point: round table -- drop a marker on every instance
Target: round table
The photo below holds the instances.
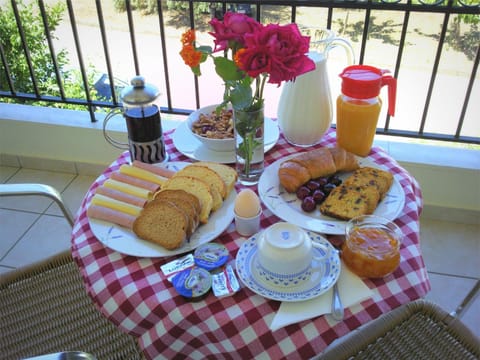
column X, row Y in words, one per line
column 135, row 295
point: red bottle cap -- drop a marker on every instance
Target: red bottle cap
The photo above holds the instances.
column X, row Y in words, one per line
column 365, row 82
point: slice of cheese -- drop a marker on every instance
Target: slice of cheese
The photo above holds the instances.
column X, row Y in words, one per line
column 129, row 189
column 113, row 204
column 142, row 174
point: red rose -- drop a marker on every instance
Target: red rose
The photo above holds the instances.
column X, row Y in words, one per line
column 233, row 28
column 276, row 50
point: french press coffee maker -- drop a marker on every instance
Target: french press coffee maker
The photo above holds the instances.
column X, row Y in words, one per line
column 142, row 116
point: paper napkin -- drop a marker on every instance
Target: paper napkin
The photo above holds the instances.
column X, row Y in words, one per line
column 352, row 291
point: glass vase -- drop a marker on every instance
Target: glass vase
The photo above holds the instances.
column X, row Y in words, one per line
column 249, row 142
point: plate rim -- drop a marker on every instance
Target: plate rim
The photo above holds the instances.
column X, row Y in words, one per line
column 105, row 231
column 223, row 157
column 290, row 296
column 331, row 225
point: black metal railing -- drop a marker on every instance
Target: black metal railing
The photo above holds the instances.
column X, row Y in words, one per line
column 450, row 16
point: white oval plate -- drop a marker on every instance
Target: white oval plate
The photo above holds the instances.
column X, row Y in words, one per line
column 322, row 279
column 191, row 147
column 288, row 207
column 126, row 242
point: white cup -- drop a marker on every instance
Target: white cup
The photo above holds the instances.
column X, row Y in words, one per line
column 285, row 255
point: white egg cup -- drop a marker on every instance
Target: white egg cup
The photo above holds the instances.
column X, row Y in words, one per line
column 285, row 255
column 247, row 226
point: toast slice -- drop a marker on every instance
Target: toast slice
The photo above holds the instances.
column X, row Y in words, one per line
column 217, row 186
column 196, row 187
column 227, row 173
column 162, row 223
column 186, row 202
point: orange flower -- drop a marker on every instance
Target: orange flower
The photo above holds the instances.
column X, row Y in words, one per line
column 237, row 58
column 188, row 37
column 190, row 56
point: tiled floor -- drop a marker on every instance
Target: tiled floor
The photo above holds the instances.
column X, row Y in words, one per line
column 32, row 228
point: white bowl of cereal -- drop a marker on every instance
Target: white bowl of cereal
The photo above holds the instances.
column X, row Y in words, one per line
column 214, row 131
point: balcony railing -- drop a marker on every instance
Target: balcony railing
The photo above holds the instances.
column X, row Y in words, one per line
column 432, row 47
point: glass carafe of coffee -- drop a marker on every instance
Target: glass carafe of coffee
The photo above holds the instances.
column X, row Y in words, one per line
column 142, row 116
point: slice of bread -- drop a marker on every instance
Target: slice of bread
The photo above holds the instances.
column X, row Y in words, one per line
column 217, row 186
column 162, row 223
column 195, row 187
column 227, row 173
column 186, row 202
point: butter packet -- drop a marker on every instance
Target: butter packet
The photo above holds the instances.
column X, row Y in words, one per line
column 176, row 266
column 225, row 283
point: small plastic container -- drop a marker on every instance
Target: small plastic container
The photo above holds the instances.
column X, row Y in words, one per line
column 193, row 283
column 372, row 246
column 210, row 256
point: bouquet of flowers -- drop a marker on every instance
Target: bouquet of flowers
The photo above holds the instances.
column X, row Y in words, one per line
column 252, row 54
column 257, row 53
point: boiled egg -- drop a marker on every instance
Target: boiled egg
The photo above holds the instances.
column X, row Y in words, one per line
column 247, row 204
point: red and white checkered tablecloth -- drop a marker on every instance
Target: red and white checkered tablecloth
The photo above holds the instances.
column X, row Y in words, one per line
column 133, row 293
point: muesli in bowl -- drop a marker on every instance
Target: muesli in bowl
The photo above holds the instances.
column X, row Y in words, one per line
column 214, row 130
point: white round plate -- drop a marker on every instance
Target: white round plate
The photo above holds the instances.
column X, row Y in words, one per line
column 288, row 207
column 126, row 242
column 191, row 147
column 321, row 280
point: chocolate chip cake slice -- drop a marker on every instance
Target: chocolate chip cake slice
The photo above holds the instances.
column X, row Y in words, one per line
column 368, row 176
column 346, row 202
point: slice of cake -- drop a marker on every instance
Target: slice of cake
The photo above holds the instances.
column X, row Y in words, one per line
column 381, row 179
column 346, row 202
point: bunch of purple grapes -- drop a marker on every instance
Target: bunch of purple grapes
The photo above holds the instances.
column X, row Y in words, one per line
column 315, row 191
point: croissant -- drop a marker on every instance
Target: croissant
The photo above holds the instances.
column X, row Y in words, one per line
column 299, row 169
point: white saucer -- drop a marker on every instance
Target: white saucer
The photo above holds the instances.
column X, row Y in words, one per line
column 189, row 146
column 321, row 280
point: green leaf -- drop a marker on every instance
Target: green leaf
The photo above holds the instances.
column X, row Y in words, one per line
column 241, row 93
column 227, row 69
column 205, row 49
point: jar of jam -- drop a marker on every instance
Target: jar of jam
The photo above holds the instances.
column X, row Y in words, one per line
column 372, row 246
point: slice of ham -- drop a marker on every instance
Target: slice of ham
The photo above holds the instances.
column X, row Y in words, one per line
column 110, row 215
column 121, row 196
column 154, row 169
column 135, row 181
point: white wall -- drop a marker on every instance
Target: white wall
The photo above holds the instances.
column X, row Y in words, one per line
column 449, row 177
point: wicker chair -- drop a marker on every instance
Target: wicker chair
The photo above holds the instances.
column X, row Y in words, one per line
column 418, row 330
column 44, row 308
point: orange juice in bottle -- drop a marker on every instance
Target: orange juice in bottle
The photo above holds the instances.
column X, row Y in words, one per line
column 359, row 105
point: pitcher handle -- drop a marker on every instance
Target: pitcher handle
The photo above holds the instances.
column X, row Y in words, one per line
column 112, row 113
column 345, row 44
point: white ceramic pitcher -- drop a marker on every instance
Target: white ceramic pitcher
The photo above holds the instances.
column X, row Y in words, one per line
column 305, row 108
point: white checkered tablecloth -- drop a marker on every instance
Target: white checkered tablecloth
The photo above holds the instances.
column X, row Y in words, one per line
column 133, row 293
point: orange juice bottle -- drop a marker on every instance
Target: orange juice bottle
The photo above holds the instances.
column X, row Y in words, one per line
column 358, row 107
